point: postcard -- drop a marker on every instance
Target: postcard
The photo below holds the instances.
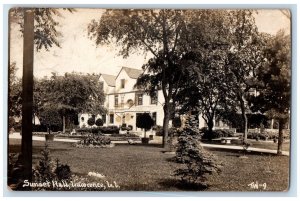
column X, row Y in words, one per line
column 149, row 99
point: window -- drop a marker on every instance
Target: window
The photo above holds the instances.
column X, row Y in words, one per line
column 116, row 100
column 104, row 118
column 154, row 114
column 153, row 99
column 122, row 100
column 111, row 118
column 122, row 83
column 139, row 99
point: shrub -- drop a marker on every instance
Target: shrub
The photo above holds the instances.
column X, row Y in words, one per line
column 216, row 134
column 15, row 171
column 257, row 136
column 91, row 121
column 99, row 122
column 144, row 121
column 198, row 163
column 44, row 128
column 126, row 128
column 98, row 141
column 158, row 130
column 99, row 130
column 176, row 122
column 63, row 172
column 46, row 170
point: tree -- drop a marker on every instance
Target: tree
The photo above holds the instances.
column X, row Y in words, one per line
column 154, row 31
column 14, row 94
column 49, row 116
column 69, row 95
column 145, row 122
column 206, row 63
column 244, row 58
column 45, row 25
column 275, row 84
column 44, row 34
column 198, row 163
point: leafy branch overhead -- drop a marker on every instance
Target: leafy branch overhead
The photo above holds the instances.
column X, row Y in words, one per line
column 46, row 34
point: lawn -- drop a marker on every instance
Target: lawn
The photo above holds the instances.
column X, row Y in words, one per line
column 146, row 168
column 270, row 145
column 260, row 144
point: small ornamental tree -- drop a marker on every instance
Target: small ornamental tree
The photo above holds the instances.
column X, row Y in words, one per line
column 91, row 121
column 198, row 162
column 99, row 122
column 145, row 122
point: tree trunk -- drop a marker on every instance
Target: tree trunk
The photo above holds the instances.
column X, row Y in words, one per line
column 145, row 133
column 210, row 125
column 166, row 124
column 64, row 123
column 280, row 137
column 245, row 119
column 27, row 93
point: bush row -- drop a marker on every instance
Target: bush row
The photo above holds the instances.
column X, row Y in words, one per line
column 99, row 130
column 216, row 133
column 266, row 136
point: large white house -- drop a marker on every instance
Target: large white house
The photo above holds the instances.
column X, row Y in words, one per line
column 124, row 102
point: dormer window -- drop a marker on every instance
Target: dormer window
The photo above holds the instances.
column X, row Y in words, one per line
column 122, row 83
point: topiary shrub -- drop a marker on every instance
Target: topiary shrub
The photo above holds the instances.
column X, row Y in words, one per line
column 145, row 122
column 99, row 122
column 91, row 121
column 198, row 163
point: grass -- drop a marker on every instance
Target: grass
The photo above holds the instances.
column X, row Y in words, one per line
column 260, row 144
column 146, row 168
column 270, row 145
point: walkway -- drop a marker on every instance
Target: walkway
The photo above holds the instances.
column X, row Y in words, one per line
column 38, row 138
column 219, row 146
column 236, row 147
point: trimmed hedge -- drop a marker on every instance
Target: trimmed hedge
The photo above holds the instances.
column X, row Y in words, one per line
column 99, row 130
column 44, row 128
column 216, row 134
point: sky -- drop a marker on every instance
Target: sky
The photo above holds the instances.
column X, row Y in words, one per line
column 78, row 53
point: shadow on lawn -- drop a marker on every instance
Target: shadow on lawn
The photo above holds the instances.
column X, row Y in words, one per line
column 176, row 183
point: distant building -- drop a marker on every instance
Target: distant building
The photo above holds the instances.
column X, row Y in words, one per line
column 124, row 102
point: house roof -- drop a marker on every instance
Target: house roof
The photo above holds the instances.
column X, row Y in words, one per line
column 109, row 79
column 132, row 72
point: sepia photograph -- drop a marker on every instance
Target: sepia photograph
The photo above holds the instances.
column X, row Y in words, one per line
column 149, row 99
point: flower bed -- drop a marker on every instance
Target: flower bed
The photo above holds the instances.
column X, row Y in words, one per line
column 95, row 142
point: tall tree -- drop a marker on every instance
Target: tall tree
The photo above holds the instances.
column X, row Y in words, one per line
column 39, row 29
column 244, row 58
column 275, row 82
column 205, row 65
column 27, row 93
column 155, row 31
